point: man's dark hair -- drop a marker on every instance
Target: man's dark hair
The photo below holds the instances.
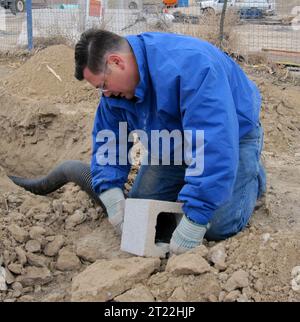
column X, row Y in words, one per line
column 90, row 50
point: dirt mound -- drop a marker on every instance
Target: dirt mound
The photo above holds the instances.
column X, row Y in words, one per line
column 257, row 268
column 36, row 135
column 50, row 74
column 280, row 115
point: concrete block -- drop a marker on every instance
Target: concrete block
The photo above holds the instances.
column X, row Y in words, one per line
column 139, row 229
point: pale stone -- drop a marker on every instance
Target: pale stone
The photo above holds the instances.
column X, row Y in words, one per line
column 18, row 233
column 21, row 255
column 33, row 246
column 3, row 286
column 104, row 280
column 78, row 218
column 67, row 260
column 138, row 294
column 217, row 255
column 37, row 232
column 187, row 264
column 35, row 276
column 232, row 296
column 238, row 279
column 53, row 247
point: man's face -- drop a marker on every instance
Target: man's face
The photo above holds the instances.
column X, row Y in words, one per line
column 119, row 78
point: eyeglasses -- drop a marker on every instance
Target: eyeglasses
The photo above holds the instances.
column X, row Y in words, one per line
column 102, row 89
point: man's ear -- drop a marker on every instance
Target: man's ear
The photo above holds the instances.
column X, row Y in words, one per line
column 116, row 61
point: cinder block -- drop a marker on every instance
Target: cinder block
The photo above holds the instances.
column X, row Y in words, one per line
column 139, row 228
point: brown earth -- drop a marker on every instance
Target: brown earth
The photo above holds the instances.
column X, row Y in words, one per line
column 50, row 246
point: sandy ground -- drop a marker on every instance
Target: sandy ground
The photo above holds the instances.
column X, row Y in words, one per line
column 61, row 248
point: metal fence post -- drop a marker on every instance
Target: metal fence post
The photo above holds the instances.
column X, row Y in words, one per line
column 222, row 22
column 29, row 24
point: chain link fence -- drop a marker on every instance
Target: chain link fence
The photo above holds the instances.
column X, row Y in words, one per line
column 251, row 27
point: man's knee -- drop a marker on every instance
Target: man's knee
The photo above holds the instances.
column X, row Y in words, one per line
column 230, row 225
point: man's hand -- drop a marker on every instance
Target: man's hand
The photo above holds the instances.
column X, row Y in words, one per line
column 186, row 236
column 114, row 202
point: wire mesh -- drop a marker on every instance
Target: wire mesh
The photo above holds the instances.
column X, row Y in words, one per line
column 263, row 27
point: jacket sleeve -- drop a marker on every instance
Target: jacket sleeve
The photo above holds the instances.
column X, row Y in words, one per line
column 106, row 168
column 207, row 105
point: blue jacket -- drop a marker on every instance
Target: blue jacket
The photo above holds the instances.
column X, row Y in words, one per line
column 185, row 83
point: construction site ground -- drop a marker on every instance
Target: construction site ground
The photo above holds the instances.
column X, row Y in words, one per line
column 61, row 247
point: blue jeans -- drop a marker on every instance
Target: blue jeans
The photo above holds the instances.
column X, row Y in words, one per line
column 165, row 183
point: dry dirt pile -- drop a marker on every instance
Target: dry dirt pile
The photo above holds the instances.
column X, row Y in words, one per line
column 49, row 74
column 61, row 248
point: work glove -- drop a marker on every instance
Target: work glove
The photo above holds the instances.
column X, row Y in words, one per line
column 114, row 202
column 186, row 236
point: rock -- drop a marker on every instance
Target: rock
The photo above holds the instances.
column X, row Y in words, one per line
column 28, row 289
column 67, row 260
column 37, row 232
column 18, row 233
column 16, row 216
column 232, row 296
column 199, row 250
column 217, row 255
column 78, row 218
column 212, row 298
column 89, row 247
column 54, row 297
column 53, row 247
column 26, row 298
column 178, row 295
column 35, row 276
column 238, row 279
column 243, row 298
column 138, row 294
column 3, row 286
column 17, row 286
column 16, row 268
column 106, row 279
column 222, row 295
column 100, row 244
column 187, row 264
column 16, row 293
column 295, row 271
column 21, row 255
column 37, row 260
column 33, row 246
column 6, row 257
column 296, row 279
column 9, row 277
column 259, row 285
column 202, row 250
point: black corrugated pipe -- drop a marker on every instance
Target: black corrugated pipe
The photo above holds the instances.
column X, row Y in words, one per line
column 69, row 171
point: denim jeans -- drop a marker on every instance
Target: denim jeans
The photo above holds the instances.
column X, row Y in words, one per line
column 165, row 183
